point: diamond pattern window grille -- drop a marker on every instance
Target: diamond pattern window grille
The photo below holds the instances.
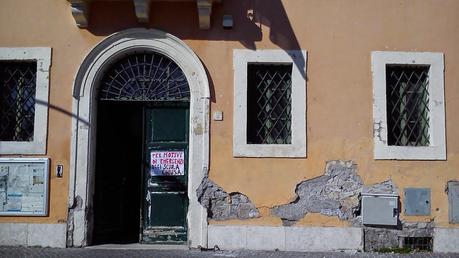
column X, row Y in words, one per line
column 17, row 100
column 145, row 77
column 269, row 104
column 407, row 105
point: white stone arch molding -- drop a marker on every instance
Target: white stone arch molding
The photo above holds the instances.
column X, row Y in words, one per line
column 82, row 169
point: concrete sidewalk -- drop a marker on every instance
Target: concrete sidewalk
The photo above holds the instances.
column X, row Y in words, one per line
column 113, row 251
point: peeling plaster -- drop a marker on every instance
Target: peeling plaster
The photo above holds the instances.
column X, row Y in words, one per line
column 221, row 205
column 385, row 187
column 336, row 193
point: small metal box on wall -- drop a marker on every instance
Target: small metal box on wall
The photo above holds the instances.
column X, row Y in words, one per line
column 417, row 202
column 380, row 209
column 453, row 201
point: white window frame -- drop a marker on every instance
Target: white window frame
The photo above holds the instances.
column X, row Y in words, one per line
column 241, row 59
column 437, row 146
column 42, row 55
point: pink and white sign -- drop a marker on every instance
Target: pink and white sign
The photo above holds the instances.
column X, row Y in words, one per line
column 167, row 163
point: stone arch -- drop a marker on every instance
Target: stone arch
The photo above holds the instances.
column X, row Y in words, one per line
column 81, row 183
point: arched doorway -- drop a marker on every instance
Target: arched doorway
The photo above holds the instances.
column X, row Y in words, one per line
column 141, row 151
column 92, row 97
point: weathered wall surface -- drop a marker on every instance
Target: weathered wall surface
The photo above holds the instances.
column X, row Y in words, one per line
column 221, row 205
column 48, row 24
column 338, row 36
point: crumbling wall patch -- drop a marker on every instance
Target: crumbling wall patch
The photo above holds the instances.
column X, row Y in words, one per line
column 385, row 187
column 221, row 205
column 336, row 193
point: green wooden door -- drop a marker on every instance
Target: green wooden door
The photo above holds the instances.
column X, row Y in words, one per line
column 165, row 200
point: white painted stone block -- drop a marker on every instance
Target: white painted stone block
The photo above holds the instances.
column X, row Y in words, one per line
column 323, row 239
column 22, row 234
column 265, row 238
column 286, row 238
column 13, row 234
column 446, row 240
column 47, row 235
column 227, row 237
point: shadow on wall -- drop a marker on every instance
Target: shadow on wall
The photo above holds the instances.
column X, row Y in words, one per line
column 61, row 110
column 250, row 17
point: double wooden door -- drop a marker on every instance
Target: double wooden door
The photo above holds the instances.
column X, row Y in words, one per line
column 141, row 173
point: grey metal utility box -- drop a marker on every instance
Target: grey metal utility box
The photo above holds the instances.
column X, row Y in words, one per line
column 380, row 209
column 453, row 201
column 417, row 202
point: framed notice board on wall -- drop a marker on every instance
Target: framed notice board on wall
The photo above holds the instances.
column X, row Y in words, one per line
column 24, row 184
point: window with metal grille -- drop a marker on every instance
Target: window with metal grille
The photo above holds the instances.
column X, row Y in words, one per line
column 408, row 105
column 418, row 243
column 269, row 88
column 269, row 103
column 407, row 99
column 17, row 100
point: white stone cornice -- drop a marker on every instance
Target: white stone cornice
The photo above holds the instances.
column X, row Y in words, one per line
column 142, row 10
column 204, row 12
column 80, row 12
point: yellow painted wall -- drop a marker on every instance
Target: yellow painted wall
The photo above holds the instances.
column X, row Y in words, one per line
column 338, row 35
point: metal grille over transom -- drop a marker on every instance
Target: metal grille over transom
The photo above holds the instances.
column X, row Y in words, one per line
column 269, row 88
column 17, row 100
column 407, row 105
column 145, row 77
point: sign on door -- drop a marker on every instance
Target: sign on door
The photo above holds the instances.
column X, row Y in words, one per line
column 167, row 163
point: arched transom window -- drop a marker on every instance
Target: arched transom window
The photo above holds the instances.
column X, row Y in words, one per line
column 144, row 76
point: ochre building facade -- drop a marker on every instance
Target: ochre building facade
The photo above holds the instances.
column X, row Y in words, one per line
column 286, row 167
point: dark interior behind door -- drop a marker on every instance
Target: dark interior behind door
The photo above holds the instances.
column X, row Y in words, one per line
column 118, row 173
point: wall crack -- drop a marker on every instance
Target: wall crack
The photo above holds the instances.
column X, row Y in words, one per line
column 77, row 206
